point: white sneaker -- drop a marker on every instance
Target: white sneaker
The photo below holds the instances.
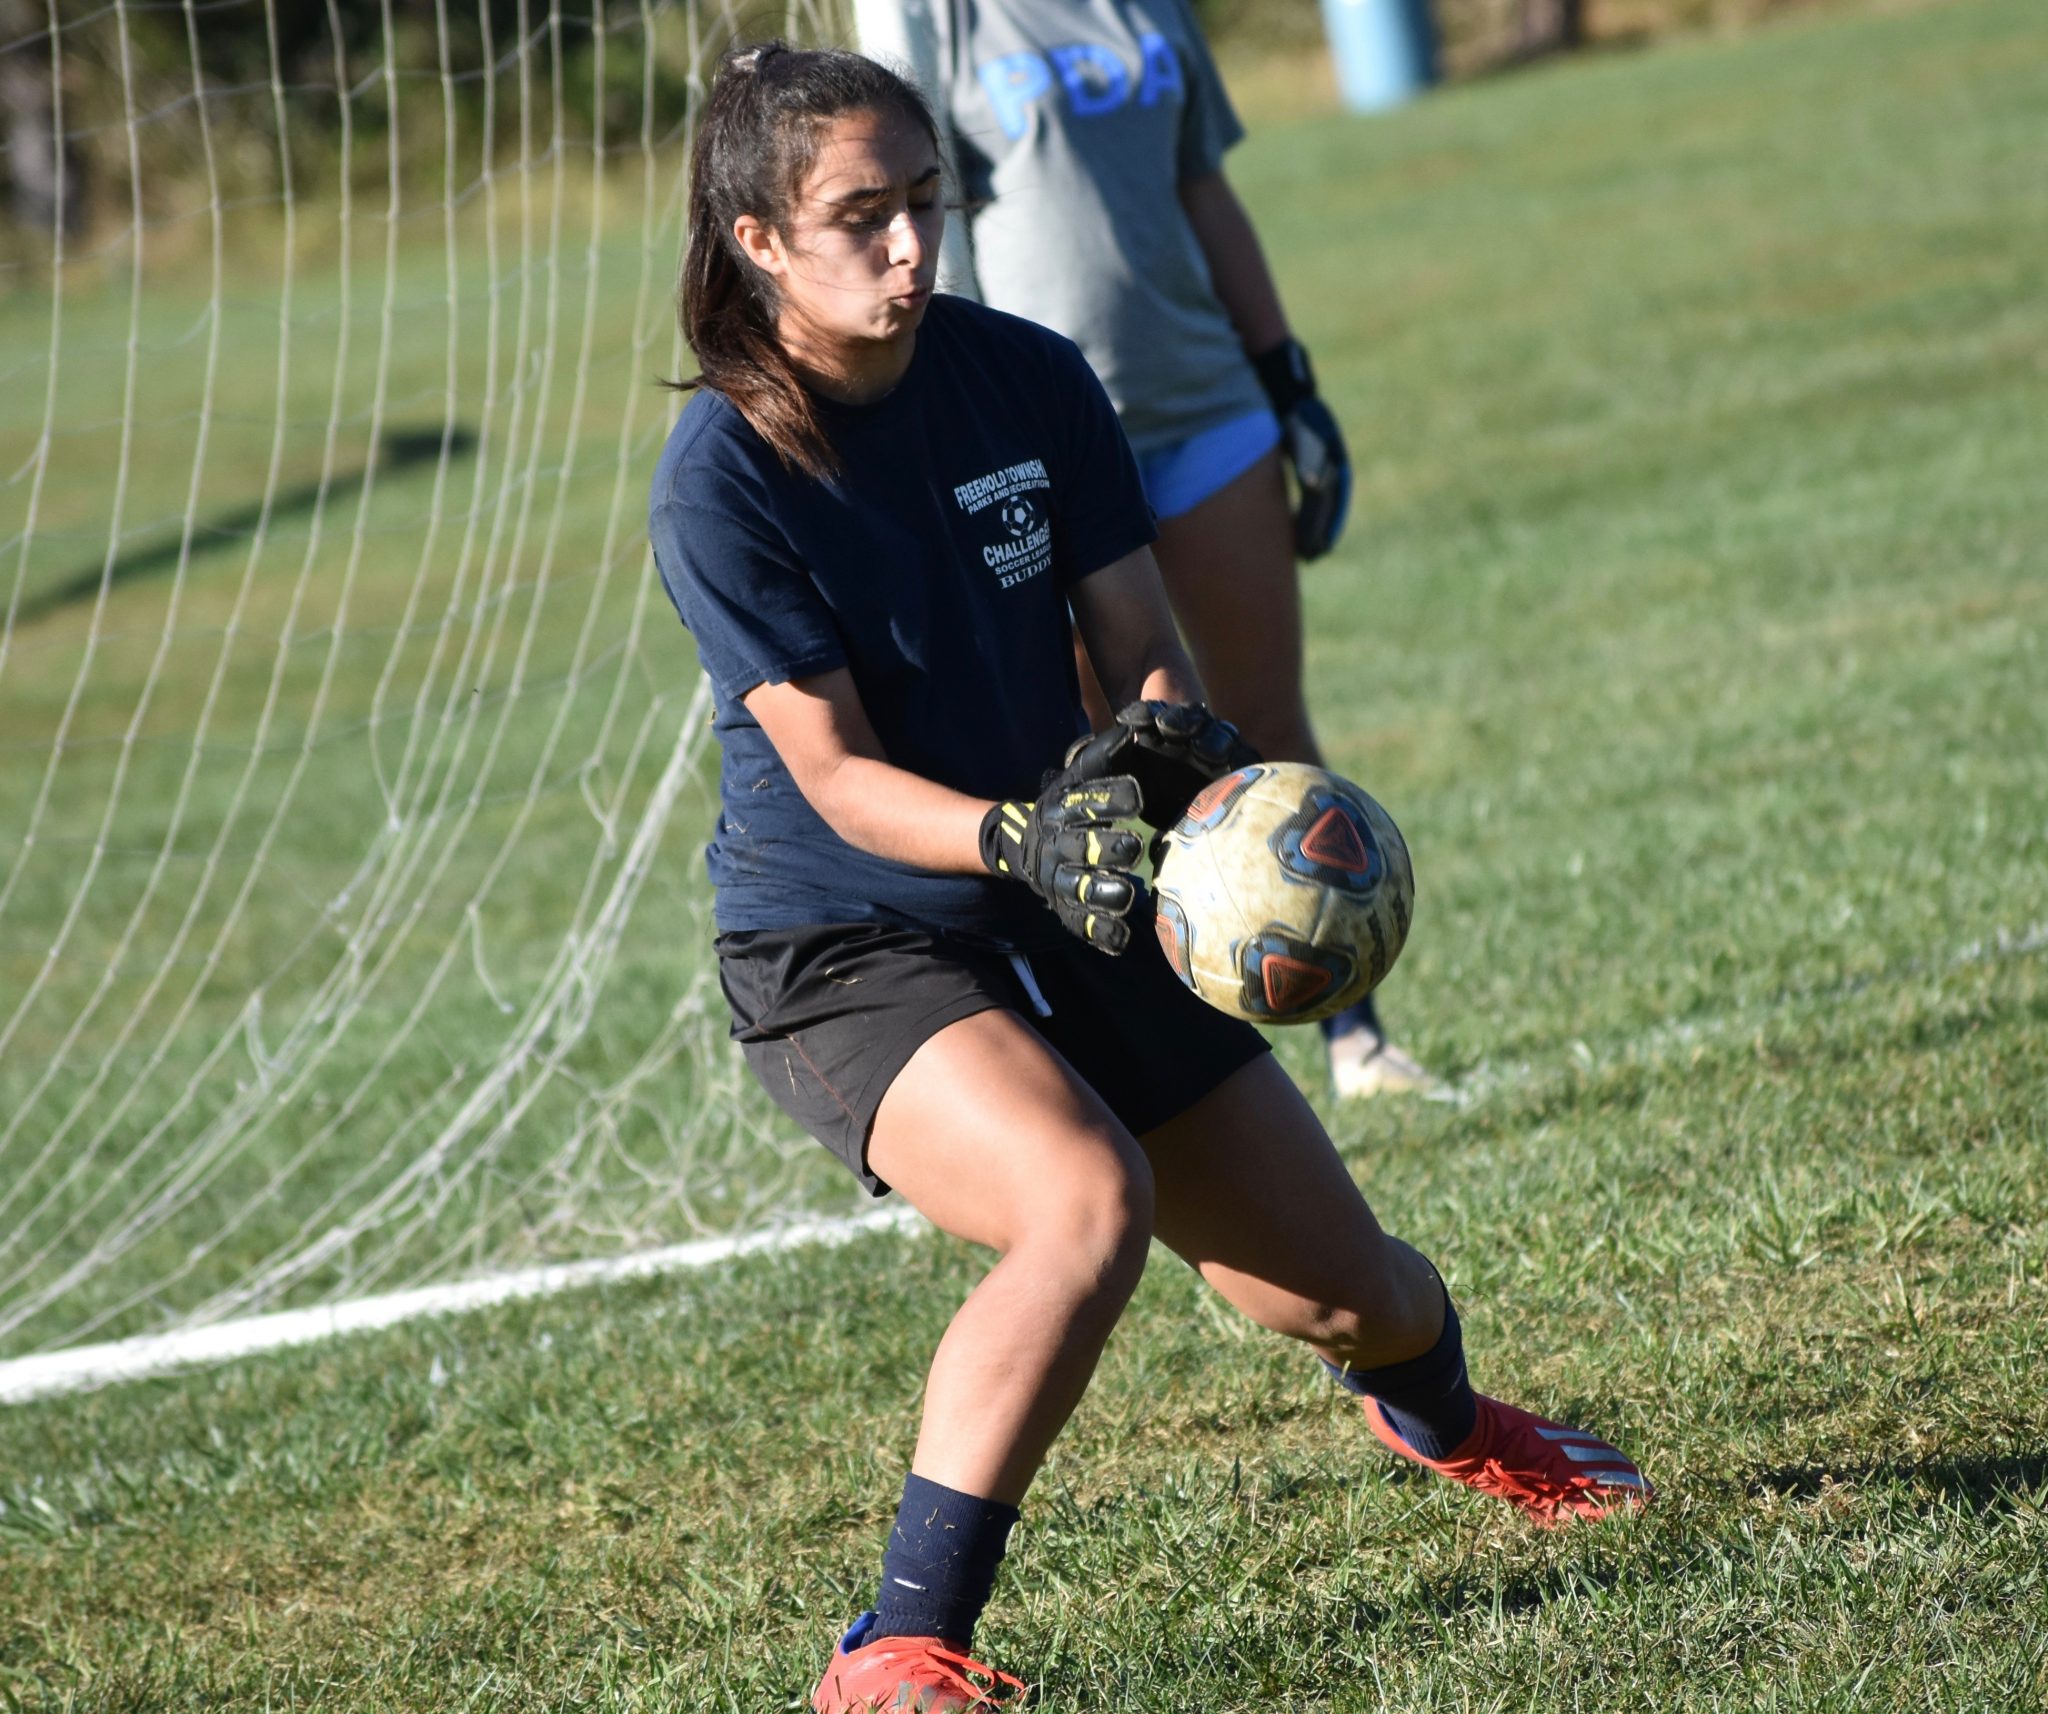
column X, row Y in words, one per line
column 1364, row 1063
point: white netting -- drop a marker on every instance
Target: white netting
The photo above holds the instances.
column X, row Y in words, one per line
column 353, row 769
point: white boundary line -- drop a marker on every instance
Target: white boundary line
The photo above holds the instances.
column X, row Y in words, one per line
column 84, row 1367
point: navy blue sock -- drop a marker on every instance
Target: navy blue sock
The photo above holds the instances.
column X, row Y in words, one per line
column 1360, row 1016
column 1427, row 1400
column 941, row 1562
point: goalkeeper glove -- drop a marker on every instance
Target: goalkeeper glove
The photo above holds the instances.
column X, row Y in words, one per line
column 1314, row 446
column 1172, row 750
column 1068, row 849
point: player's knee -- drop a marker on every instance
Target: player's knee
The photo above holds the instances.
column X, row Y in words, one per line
column 1113, row 1229
column 1097, row 1230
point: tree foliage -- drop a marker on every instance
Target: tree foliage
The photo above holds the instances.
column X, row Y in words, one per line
column 283, row 87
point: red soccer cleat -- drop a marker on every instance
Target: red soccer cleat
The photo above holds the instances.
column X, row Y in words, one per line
column 906, row 1675
column 1551, row 1473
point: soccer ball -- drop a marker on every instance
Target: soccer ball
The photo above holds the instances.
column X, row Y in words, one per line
column 1284, row 894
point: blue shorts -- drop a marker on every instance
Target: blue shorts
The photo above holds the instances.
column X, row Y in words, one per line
column 1178, row 478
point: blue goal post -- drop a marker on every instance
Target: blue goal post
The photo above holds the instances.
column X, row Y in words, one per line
column 1385, row 50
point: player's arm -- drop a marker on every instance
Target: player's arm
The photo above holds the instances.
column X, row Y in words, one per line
column 821, row 732
column 1237, row 265
column 1067, row 846
column 1164, row 736
column 1244, row 284
column 1133, row 643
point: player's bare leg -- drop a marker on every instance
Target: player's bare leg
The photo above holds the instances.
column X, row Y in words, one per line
column 989, row 1136
column 1251, row 1193
column 1228, row 567
column 993, row 1139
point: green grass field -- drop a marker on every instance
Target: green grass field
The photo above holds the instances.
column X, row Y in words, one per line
column 1692, row 624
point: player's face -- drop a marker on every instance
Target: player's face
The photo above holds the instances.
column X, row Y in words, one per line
column 856, row 265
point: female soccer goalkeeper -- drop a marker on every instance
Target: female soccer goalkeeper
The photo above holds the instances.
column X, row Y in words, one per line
column 873, row 522
column 1090, row 138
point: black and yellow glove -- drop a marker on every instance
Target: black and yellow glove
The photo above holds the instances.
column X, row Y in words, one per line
column 1068, row 848
column 1172, row 749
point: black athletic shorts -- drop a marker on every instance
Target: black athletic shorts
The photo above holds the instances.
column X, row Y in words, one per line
column 827, row 1017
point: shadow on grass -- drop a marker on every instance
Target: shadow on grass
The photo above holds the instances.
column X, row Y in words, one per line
column 1990, row 1481
column 398, row 449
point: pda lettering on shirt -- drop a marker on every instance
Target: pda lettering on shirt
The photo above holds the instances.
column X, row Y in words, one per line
column 1092, row 74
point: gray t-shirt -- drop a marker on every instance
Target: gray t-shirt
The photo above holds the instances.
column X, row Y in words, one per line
column 1074, row 122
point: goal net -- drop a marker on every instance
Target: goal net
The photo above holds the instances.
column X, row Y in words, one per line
column 353, row 929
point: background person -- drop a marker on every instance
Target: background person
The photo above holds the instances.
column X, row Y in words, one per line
column 875, row 522
column 1089, row 138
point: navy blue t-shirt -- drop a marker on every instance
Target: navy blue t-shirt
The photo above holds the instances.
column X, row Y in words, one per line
column 935, row 566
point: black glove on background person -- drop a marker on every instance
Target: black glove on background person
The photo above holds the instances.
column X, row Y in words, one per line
column 1314, row 446
column 1068, row 848
column 1172, row 750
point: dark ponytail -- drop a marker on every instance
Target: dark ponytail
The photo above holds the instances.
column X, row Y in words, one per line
column 755, row 147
